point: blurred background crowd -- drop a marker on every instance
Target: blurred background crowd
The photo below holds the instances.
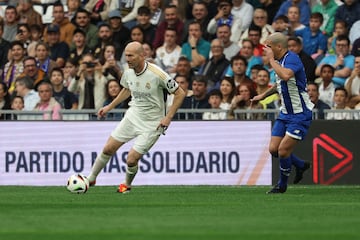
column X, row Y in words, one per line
column 69, row 54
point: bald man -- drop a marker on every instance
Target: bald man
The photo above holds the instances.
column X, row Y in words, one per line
column 145, row 120
column 295, row 115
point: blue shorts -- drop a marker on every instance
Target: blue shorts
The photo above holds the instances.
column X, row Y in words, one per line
column 294, row 125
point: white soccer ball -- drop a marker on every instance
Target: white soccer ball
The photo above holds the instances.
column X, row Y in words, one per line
column 77, row 183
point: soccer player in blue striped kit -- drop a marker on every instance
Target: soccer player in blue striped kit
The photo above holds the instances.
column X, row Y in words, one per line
column 295, row 112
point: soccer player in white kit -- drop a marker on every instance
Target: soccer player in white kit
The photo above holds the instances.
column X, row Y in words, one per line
column 295, row 112
column 145, row 119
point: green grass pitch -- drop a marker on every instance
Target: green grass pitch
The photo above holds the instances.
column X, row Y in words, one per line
column 180, row 212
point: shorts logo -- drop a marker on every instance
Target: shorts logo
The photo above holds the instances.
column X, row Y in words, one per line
column 296, row 131
column 331, row 160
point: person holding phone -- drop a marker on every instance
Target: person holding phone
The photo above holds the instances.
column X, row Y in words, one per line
column 89, row 83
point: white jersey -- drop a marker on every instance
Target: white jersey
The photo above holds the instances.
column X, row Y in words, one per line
column 147, row 92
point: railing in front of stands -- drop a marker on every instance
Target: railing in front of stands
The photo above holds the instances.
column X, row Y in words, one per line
column 182, row 114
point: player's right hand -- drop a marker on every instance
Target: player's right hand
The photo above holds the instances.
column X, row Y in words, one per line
column 102, row 112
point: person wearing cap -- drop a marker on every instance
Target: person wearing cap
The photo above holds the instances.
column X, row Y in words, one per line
column 121, row 34
column 66, row 27
column 59, row 51
column 79, row 40
column 105, row 37
column 82, row 21
column 99, row 10
column 224, row 16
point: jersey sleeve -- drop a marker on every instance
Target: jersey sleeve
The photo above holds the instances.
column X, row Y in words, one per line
column 123, row 81
column 168, row 82
column 294, row 63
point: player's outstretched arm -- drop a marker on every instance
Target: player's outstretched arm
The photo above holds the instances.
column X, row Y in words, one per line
column 264, row 95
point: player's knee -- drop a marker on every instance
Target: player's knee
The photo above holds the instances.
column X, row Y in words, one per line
column 283, row 152
column 274, row 153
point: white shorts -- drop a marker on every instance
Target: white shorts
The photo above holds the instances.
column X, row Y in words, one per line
column 145, row 133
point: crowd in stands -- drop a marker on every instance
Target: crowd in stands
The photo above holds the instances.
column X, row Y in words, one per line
column 212, row 48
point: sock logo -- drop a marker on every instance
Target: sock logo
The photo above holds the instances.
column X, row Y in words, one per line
column 331, row 160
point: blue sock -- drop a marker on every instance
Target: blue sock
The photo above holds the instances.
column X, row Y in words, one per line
column 297, row 162
column 285, row 169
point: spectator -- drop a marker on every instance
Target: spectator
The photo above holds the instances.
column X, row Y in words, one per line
column 340, row 100
column 247, row 51
column 244, row 11
column 348, row 12
column 304, row 9
column 10, row 23
column 42, row 55
column 156, row 9
column 314, row 41
column 65, row 26
column 281, row 24
column 231, row 48
column 183, row 82
column 99, row 10
column 17, row 103
column 196, row 49
column 224, row 16
column 200, row 14
column 171, row 21
column 121, row 34
column 237, row 70
column 47, row 102
column 113, row 89
column 66, row 99
column 271, row 7
column 148, row 52
column 23, row 35
column 319, row 105
column 215, row 99
column 263, row 84
column 340, row 29
column 69, row 71
column 72, row 7
column 79, row 40
column 82, row 20
column 293, row 14
column 35, row 38
column 4, row 46
column 228, row 90
column 89, row 83
column 27, row 13
column 199, row 99
column 105, row 37
column 183, row 68
column 260, row 30
column 143, row 20
column 32, row 70
column 295, row 45
column 59, row 51
column 109, row 63
column 243, row 101
column 24, row 88
column 254, row 33
column 128, row 8
column 137, row 35
column 214, row 68
column 352, row 85
column 342, row 61
column 328, row 9
column 168, row 54
column 326, row 87
column 14, row 67
column 5, row 101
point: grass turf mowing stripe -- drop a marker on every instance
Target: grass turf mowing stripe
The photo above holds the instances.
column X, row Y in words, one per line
column 180, row 212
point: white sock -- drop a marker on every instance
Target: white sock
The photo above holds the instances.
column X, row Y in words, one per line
column 99, row 164
column 130, row 174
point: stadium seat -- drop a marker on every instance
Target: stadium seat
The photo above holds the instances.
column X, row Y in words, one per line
column 39, row 9
column 48, row 16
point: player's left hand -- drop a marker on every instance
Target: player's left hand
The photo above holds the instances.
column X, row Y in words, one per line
column 164, row 124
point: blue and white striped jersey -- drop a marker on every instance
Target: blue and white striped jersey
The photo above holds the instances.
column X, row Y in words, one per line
column 293, row 93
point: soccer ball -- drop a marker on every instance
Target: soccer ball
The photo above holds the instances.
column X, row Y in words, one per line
column 77, row 183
